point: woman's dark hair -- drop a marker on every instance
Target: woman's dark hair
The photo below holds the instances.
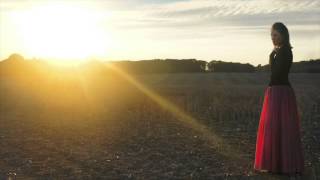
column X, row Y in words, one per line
column 282, row 29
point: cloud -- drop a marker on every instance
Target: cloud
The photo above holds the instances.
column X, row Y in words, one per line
column 196, row 24
column 196, row 13
column 234, row 12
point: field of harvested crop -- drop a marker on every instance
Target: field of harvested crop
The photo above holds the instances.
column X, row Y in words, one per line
column 158, row 126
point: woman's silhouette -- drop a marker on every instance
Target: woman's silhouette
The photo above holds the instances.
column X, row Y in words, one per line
column 278, row 145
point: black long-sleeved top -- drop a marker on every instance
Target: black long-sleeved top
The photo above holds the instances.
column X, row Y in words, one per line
column 280, row 63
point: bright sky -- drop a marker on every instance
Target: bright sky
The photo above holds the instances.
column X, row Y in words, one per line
column 229, row 30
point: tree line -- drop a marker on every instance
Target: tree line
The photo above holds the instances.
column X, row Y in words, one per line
column 180, row 65
column 215, row 66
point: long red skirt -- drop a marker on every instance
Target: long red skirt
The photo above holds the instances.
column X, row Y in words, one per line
column 278, row 145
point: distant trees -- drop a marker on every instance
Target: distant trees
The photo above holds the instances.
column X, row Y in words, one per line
column 193, row 65
column 16, row 64
column 182, row 65
column 310, row 66
column 16, row 57
column 162, row 66
column 221, row 66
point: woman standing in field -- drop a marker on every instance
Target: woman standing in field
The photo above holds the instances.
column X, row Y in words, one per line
column 278, row 145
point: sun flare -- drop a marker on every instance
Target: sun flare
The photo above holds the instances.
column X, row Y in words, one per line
column 61, row 32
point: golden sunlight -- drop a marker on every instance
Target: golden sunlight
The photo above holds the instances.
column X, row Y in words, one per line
column 62, row 32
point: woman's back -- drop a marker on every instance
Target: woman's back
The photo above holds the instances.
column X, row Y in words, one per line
column 280, row 63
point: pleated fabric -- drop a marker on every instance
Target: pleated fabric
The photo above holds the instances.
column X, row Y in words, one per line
column 278, row 144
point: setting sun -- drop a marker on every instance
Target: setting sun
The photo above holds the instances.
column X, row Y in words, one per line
column 62, row 32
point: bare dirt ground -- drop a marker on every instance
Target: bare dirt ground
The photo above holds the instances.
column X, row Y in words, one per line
column 126, row 134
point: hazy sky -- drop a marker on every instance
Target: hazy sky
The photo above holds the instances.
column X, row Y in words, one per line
column 229, row 30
